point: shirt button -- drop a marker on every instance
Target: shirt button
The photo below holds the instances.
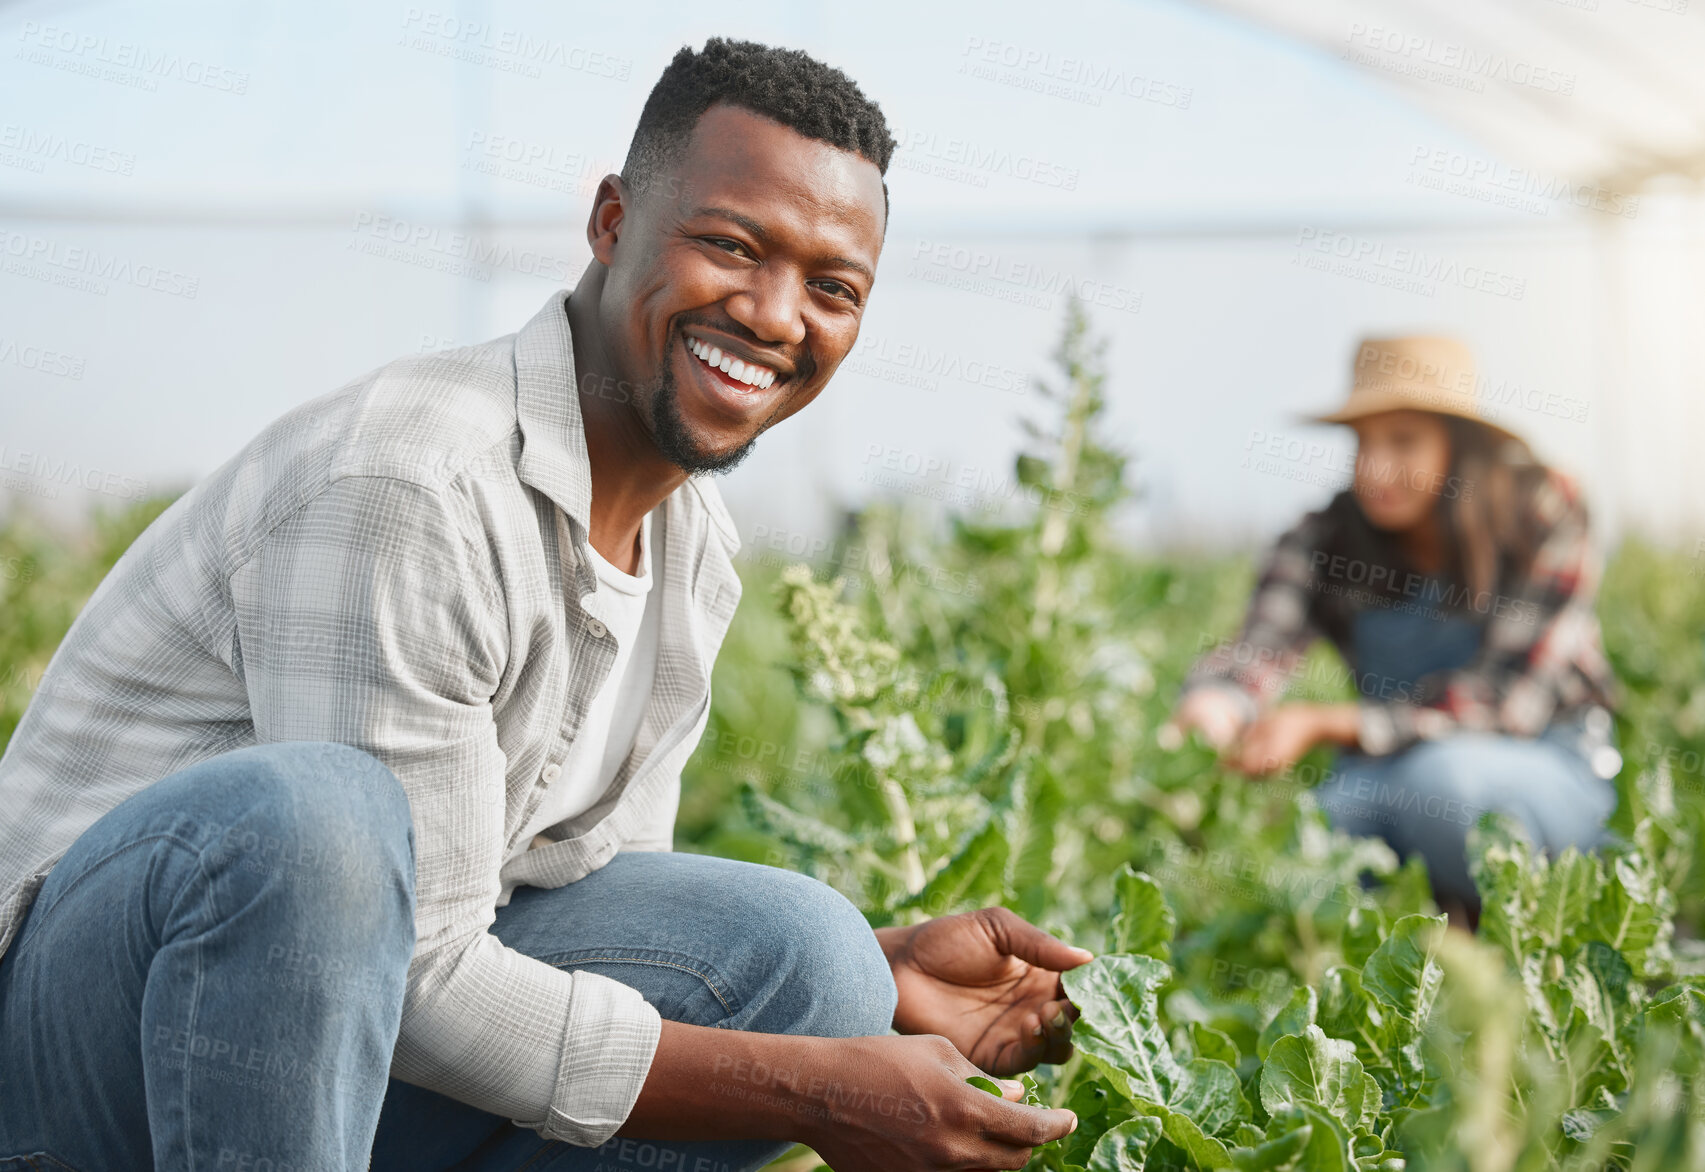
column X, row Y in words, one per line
column 550, row 773
column 596, row 629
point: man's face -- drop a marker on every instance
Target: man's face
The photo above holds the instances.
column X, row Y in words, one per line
column 761, row 245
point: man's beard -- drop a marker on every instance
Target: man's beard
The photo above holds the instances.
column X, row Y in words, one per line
column 669, row 432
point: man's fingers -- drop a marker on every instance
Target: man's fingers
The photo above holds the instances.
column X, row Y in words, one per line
column 1028, row 943
column 1027, row 1127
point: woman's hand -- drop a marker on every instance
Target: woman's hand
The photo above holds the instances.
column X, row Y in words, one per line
column 988, row 982
column 1213, row 713
column 1280, row 737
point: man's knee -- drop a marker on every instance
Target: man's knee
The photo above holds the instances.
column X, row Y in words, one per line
column 837, row 976
column 315, row 810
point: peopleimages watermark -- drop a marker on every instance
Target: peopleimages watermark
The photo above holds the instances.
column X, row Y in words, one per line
column 32, row 150
column 1328, row 465
column 965, row 160
column 1499, row 183
column 783, row 547
column 1337, row 569
column 87, row 270
column 537, row 164
column 1273, row 670
column 1410, row 270
column 922, row 366
column 740, row 1077
column 41, row 359
column 21, row 469
column 938, row 478
column 1447, row 62
column 1073, row 79
column 509, row 50
column 124, row 62
column 1430, row 383
column 1004, row 277
column 1241, row 876
column 457, row 254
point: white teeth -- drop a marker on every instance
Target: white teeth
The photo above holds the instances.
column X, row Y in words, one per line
column 750, row 373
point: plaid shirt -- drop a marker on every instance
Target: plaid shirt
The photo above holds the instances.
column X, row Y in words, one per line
column 398, row 566
column 1540, row 659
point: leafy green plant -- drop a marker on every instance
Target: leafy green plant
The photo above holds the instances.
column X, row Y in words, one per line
column 1271, row 994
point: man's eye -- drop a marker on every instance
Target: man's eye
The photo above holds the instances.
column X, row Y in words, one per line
column 838, row 289
column 726, row 244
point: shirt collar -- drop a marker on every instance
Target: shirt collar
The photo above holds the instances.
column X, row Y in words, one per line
column 547, row 402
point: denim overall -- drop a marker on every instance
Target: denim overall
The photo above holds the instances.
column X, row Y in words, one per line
column 1425, row 799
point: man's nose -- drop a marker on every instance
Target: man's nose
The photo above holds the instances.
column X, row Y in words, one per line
column 772, row 306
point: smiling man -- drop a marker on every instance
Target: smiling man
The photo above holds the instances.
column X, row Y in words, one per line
column 339, row 826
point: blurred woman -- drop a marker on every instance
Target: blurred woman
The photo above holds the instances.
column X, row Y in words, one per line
column 1456, row 579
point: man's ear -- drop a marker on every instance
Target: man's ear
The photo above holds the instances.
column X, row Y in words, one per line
column 609, row 208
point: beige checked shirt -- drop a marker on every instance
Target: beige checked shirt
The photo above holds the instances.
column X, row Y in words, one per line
column 399, row 566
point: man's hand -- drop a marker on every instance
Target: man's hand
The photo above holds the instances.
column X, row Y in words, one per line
column 989, row 983
column 1278, row 738
column 918, row 1112
column 880, row 1104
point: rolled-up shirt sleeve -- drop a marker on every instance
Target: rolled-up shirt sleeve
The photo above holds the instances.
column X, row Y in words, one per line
column 371, row 615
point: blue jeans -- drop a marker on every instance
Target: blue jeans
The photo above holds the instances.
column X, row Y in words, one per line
column 1425, row 799
column 213, row 977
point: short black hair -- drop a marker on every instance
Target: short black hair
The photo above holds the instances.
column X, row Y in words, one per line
column 786, row 85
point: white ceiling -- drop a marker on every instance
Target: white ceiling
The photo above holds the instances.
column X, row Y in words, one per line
column 1591, row 91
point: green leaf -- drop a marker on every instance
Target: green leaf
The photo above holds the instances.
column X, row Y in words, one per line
column 1142, row 921
column 1212, row 1043
column 1297, row 1015
column 1312, row 1068
column 794, row 827
column 1032, row 1096
column 1204, row 1151
column 1125, row 1148
column 1402, row 974
column 1211, row 1095
column 1325, row 1146
column 1364, row 928
column 1118, row 1028
column 1681, row 1004
column 975, row 869
column 1274, row 1153
column 1569, row 886
column 984, row 1083
column 1632, row 915
column 1502, row 862
column 1346, row 1011
column 1098, row 1109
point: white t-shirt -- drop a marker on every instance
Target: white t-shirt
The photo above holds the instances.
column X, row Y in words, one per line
column 628, row 606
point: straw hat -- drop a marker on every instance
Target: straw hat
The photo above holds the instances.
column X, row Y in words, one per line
column 1412, row 374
